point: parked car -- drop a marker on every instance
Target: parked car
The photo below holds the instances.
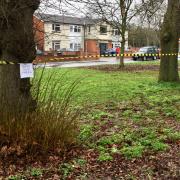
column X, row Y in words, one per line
column 111, row 51
column 39, row 52
column 146, row 53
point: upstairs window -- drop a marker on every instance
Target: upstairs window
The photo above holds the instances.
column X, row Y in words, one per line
column 103, row 29
column 56, row 45
column 56, row 27
column 74, row 28
column 115, row 32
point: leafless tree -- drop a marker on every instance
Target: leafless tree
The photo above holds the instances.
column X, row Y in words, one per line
column 152, row 16
column 117, row 13
column 169, row 34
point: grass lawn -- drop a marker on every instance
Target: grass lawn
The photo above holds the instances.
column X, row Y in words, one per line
column 96, row 86
column 129, row 127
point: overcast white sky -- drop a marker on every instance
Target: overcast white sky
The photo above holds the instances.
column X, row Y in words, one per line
column 59, row 7
column 76, row 9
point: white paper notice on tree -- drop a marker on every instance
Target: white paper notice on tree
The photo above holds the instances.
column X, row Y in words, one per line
column 26, row 70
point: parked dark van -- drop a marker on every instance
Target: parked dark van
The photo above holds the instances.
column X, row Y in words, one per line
column 146, row 53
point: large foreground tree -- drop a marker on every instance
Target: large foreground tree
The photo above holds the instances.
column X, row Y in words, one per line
column 170, row 34
column 16, row 45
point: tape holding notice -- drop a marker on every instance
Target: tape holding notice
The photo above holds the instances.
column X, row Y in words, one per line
column 26, row 70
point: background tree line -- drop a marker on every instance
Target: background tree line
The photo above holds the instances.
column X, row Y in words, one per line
column 139, row 36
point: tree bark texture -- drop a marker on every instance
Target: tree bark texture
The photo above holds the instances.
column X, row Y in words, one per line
column 123, row 42
column 124, row 11
column 15, row 93
column 16, row 45
column 122, row 52
column 170, row 34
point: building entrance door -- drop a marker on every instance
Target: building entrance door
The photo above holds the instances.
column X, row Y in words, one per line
column 103, row 48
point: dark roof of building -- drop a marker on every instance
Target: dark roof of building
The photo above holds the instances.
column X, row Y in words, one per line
column 65, row 19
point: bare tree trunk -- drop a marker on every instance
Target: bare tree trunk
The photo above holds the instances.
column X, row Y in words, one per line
column 123, row 41
column 16, row 45
column 124, row 8
column 122, row 53
column 169, row 42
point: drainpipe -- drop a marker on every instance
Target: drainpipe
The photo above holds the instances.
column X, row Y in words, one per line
column 84, row 35
column 85, row 43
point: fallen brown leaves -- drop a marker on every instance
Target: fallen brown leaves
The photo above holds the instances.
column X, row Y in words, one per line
column 15, row 159
column 127, row 68
column 164, row 165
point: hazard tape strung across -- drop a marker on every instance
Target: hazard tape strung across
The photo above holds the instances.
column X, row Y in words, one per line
column 118, row 55
column 6, row 62
column 98, row 56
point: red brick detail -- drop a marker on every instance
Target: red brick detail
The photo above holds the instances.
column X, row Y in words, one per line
column 39, row 33
column 91, row 47
column 59, row 58
column 109, row 44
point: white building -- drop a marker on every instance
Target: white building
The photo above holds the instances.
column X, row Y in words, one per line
column 64, row 33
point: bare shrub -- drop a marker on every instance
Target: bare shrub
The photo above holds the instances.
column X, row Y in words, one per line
column 54, row 122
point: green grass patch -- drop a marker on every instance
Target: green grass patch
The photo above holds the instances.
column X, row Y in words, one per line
column 126, row 112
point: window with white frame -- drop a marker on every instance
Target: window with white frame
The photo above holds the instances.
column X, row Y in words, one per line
column 56, row 27
column 116, row 44
column 56, row 45
column 75, row 46
column 75, row 28
column 103, row 29
column 115, row 32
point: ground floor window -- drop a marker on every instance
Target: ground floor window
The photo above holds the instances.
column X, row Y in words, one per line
column 116, row 44
column 75, row 46
column 56, row 45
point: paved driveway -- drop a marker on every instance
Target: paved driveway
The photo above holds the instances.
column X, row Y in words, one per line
column 101, row 61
